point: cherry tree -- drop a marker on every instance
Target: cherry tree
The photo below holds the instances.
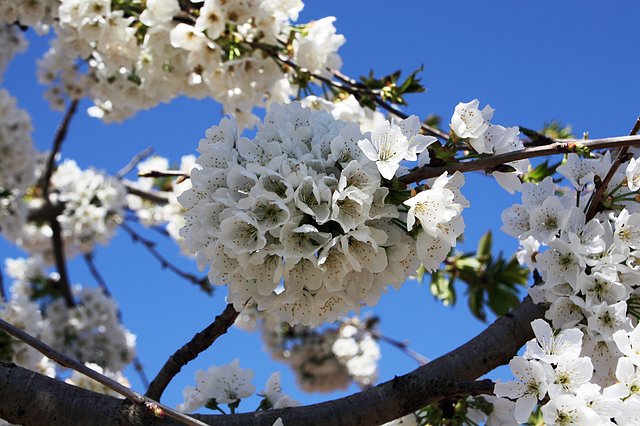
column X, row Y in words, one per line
column 315, row 194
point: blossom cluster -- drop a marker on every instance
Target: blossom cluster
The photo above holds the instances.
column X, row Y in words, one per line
column 17, row 162
column 33, row 13
column 91, row 206
column 11, row 42
column 89, row 331
column 323, row 359
column 553, row 370
column 473, row 125
column 296, row 219
column 589, row 277
column 132, row 55
column 230, row 383
column 171, row 213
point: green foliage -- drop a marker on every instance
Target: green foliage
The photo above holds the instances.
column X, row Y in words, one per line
column 556, row 130
column 540, row 172
column 390, row 87
column 452, row 412
column 492, row 282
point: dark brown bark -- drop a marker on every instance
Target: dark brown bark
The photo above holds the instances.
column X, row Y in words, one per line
column 30, row 398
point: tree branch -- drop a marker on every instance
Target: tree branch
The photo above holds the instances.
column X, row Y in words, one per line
column 65, row 361
column 149, row 195
column 203, row 282
column 488, row 163
column 61, row 134
column 597, row 196
column 58, row 253
column 199, row 343
column 398, row 397
column 134, row 162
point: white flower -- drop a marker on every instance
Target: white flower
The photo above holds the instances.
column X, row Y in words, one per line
column 273, row 393
column 633, row 175
column 433, row 207
column 530, row 387
column 565, row 410
column 629, row 344
column 469, row 122
column 552, row 348
column 387, row 147
column 226, row 384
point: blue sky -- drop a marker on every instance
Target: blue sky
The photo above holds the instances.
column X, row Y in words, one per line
column 532, row 61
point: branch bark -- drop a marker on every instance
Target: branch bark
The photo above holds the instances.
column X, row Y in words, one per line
column 488, row 163
column 187, row 353
column 400, row 396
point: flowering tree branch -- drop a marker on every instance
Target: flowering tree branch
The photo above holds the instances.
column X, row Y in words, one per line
column 390, row 400
column 202, row 282
column 199, row 343
column 65, row 361
column 148, row 195
column 489, row 163
column 597, row 196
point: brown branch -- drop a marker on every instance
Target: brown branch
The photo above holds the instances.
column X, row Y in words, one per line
column 164, row 173
column 93, row 269
column 134, row 162
column 3, row 292
column 59, row 138
column 199, row 343
column 202, row 282
column 390, row 400
column 57, row 243
column 597, row 196
column 66, row 361
column 489, row 163
column 149, row 195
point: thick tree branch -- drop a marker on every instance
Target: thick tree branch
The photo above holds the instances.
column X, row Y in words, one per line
column 187, row 353
column 57, row 243
column 489, row 163
column 400, row 396
column 65, row 361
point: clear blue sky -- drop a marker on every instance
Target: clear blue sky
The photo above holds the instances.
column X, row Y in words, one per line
column 573, row 60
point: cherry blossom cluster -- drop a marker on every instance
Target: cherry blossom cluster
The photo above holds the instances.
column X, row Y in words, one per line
column 296, row 219
column 553, row 370
column 22, row 312
column 589, row 277
column 230, row 383
column 33, row 13
column 80, row 380
column 91, row 206
column 323, row 359
column 132, row 55
column 17, row 162
column 347, row 109
column 170, row 214
column 11, row 42
column 472, row 125
column 90, row 331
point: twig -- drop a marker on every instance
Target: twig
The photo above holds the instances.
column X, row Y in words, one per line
column 488, row 163
column 202, row 282
column 164, row 173
column 597, row 196
column 149, row 195
column 403, row 346
column 134, row 162
column 191, row 350
column 61, row 133
column 350, row 86
column 152, row 406
column 93, row 269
